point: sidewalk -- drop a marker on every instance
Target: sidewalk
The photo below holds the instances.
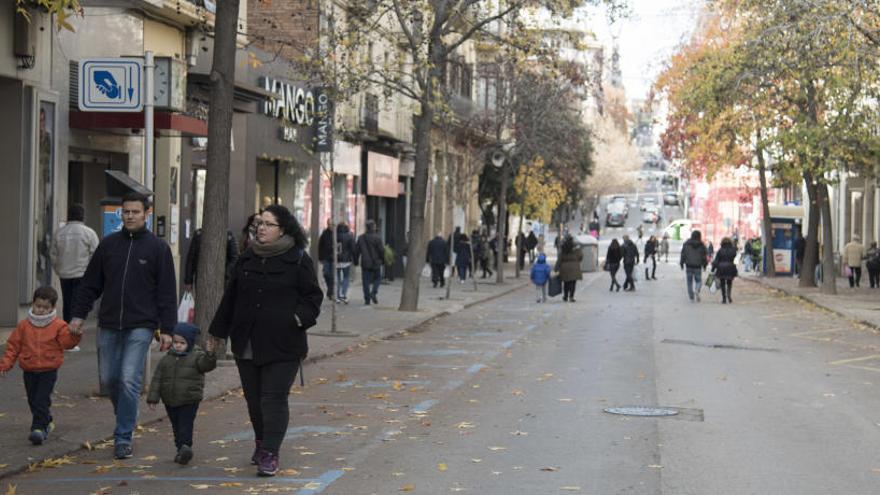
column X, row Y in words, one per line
column 860, row 304
column 85, row 420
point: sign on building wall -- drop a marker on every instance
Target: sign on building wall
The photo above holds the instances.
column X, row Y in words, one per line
column 382, row 173
column 294, row 104
column 323, row 126
column 110, row 85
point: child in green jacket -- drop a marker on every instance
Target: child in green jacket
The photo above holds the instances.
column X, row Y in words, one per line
column 179, row 380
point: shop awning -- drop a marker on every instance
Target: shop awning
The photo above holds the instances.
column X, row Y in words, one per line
column 164, row 123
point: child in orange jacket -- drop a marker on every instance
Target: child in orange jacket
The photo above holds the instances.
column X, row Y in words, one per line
column 38, row 343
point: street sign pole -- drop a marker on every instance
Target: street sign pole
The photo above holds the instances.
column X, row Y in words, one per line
column 148, row 119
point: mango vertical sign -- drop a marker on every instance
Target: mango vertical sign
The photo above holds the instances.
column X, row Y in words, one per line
column 323, row 124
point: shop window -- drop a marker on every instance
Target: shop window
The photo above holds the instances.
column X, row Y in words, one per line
column 281, row 182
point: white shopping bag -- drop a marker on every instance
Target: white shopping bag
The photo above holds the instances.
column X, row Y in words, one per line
column 426, row 271
column 187, row 309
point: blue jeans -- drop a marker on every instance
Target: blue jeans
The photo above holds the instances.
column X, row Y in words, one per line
column 121, row 359
column 370, row 280
column 694, row 281
column 328, row 277
column 343, row 277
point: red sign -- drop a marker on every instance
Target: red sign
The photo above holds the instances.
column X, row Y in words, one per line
column 382, row 172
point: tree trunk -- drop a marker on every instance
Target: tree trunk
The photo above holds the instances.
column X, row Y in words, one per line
column 501, row 231
column 213, row 243
column 315, row 220
column 409, row 296
column 829, row 275
column 811, row 251
column 767, row 224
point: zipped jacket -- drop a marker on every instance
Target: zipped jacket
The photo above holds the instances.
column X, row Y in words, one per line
column 134, row 271
column 38, row 348
column 180, row 380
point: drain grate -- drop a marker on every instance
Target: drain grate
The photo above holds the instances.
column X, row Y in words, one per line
column 642, row 411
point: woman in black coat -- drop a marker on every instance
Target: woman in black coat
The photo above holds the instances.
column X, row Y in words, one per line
column 272, row 298
column 724, row 266
column 612, row 263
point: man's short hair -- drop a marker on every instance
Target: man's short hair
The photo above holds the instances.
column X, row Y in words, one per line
column 76, row 213
column 133, row 196
column 46, row 294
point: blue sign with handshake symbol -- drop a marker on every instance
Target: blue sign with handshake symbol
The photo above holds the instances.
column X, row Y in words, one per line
column 111, row 85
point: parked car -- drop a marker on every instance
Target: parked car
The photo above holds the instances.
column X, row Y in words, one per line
column 648, row 201
column 651, row 215
column 615, row 219
column 670, row 198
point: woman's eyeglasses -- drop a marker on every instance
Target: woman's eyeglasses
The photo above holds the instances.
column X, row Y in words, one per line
column 268, row 225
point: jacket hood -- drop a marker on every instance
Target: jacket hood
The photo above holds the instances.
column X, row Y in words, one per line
column 542, row 258
column 188, row 331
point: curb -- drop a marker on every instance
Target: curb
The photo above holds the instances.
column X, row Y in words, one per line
column 817, row 304
column 415, row 327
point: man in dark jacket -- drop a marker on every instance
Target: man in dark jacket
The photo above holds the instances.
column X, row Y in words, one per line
column 651, row 254
column 325, row 256
column 694, row 258
column 630, row 258
column 800, row 249
column 370, row 255
column 531, row 244
column 192, row 258
column 438, row 258
column 345, row 247
column 134, row 271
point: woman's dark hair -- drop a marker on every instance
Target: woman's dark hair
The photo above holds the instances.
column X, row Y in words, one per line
column 288, row 224
column 463, row 238
column 727, row 242
column 246, row 230
column 614, row 244
column 46, row 294
column 567, row 245
column 76, row 213
column 696, row 235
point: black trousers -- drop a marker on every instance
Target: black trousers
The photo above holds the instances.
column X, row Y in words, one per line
column 856, row 276
column 653, row 272
column 183, row 419
column 437, row 277
column 874, row 277
column 39, row 385
column 68, row 290
column 266, row 389
column 484, row 265
column 568, row 289
column 613, row 271
column 726, row 288
column 629, row 283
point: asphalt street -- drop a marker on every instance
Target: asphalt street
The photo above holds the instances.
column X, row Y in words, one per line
column 772, row 396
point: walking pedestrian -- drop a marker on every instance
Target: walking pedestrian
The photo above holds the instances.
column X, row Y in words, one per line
column 630, row 258
column 531, row 244
column 800, row 249
column 72, row 247
column 345, row 248
column 873, row 265
column 134, row 271
column 463, row 257
column 370, row 255
column 651, row 253
column 756, row 250
column 853, row 253
column 272, row 298
column 248, row 232
column 569, row 267
column 694, row 259
column 747, row 256
column 38, row 343
column 438, row 257
column 191, row 265
column 664, row 247
column 710, row 251
column 326, row 253
column 540, row 275
column 179, row 381
column 612, row 263
column 724, row 267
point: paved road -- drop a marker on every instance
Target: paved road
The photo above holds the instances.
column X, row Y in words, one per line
column 774, row 397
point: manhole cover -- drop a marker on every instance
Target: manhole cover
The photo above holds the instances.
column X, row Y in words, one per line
column 642, row 411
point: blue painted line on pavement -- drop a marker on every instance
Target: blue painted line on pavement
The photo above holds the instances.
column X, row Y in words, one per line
column 423, row 407
column 440, row 352
column 475, row 368
column 325, row 480
column 219, row 479
column 293, row 432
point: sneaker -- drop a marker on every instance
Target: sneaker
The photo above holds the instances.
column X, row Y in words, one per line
column 184, row 455
column 37, row 436
column 258, row 452
column 268, row 465
column 122, row 451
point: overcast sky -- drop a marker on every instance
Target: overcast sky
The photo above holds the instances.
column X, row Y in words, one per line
column 647, row 38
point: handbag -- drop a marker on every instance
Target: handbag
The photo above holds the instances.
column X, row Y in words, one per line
column 710, row 282
column 848, row 271
column 555, row 286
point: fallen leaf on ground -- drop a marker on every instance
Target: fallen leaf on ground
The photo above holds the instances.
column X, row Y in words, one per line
column 397, row 385
column 408, row 487
column 150, row 458
column 464, row 425
column 220, row 459
column 655, row 466
column 517, row 391
column 232, row 469
column 87, row 446
column 229, row 484
column 442, row 467
column 570, row 488
column 476, row 461
column 200, row 486
column 306, row 453
column 496, row 449
column 10, row 489
column 519, row 433
column 379, row 396
column 4, row 466
column 288, row 472
column 550, row 469
column 565, row 400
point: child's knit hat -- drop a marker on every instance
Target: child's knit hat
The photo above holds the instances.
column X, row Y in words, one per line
column 188, row 331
